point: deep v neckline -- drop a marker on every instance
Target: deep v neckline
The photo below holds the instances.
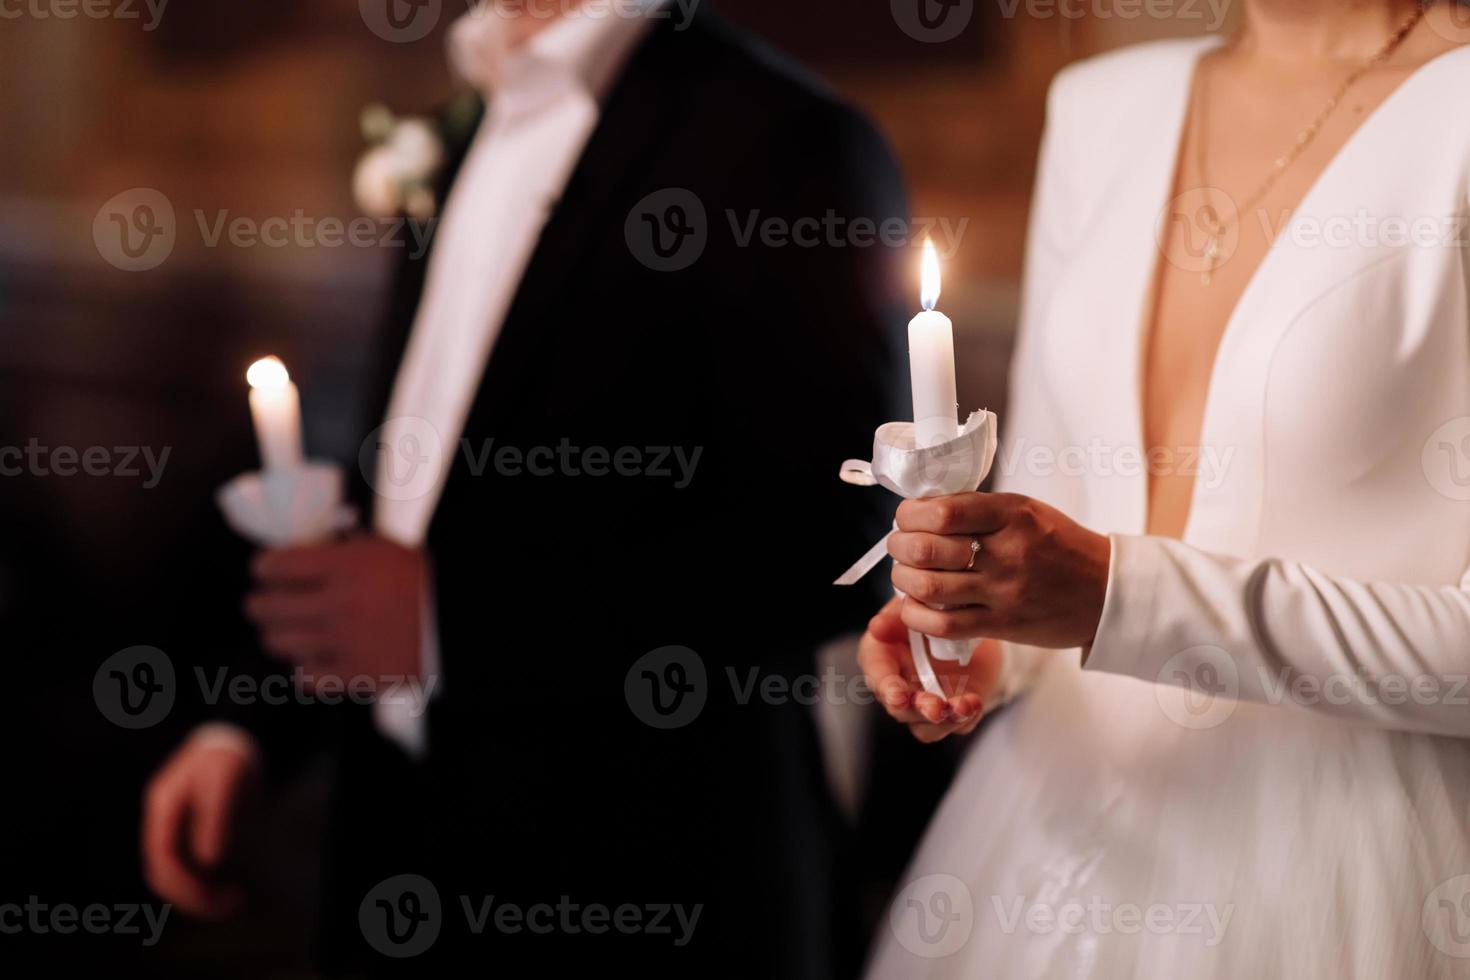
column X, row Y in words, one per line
column 1146, row 320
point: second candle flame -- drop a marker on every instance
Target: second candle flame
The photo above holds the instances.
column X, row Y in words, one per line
column 268, row 374
column 929, row 276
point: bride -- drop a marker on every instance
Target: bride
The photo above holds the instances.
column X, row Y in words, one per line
column 1226, row 583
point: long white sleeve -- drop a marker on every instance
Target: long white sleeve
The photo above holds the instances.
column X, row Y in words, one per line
column 1030, row 418
column 1280, row 632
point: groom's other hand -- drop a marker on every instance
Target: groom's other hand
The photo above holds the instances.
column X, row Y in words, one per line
column 350, row 609
column 192, row 811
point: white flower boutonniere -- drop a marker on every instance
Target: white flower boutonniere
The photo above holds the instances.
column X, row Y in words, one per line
column 396, row 176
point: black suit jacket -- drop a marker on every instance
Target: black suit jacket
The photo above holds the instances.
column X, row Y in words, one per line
column 772, row 362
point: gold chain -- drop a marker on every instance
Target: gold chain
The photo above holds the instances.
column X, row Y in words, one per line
column 1304, row 138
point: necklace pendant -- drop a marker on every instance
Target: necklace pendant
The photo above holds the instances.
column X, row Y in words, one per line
column 1212, row 258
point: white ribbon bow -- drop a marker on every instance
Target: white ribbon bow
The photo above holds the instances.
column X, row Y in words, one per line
column 957, row 466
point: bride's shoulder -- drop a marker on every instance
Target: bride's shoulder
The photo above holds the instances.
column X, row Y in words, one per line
column 1127, row 79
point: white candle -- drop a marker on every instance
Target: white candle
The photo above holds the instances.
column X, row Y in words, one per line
column 931, row 362
column 275, row 408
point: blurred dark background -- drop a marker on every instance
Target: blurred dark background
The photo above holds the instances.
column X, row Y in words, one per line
column 251, row 110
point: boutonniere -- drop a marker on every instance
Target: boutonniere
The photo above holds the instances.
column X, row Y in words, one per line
column 399, row 172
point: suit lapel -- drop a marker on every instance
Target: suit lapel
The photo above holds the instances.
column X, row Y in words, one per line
column 639, row 113
column 458, row 124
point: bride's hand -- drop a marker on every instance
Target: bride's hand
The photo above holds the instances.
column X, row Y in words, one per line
column 888, row 668
column 1038, row 579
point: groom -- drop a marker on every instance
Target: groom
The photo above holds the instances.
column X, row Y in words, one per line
column 599, row 394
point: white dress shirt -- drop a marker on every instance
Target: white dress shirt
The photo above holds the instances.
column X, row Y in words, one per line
column 542, row 106
column 1263, row 769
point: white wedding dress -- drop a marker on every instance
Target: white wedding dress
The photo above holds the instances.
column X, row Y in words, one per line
column 1264, row 768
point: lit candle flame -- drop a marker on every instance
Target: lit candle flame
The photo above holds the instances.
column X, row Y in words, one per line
column 268, row 374
column 929, row 277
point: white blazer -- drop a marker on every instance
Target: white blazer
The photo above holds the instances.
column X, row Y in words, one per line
column 1262, row 770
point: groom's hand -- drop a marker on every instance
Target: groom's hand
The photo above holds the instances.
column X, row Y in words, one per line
column 192, row 813
column 349, row 609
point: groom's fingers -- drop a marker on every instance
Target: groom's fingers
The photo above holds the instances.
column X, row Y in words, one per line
column 292, row 567
column 210, row 821
column 298, row 645
column 169, row 806
column 278, row 607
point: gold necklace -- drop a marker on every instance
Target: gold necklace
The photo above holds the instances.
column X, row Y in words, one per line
column 1215, row 228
